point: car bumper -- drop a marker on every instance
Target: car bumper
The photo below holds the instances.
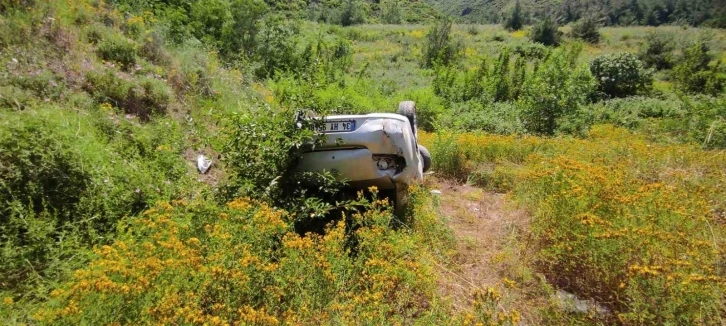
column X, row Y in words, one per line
column 350, row 155
column 354, row 165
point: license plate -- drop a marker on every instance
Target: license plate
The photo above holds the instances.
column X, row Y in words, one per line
column 335, row 126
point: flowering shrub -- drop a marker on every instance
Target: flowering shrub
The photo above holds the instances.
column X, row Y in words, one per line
column 184, row 263
column 196, row 263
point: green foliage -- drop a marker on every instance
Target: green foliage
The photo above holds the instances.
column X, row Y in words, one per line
column 633, row 112
column 351, row 13
column 9, row 5
column 67, row 179
column 706, row 118
column 658, row 50
column 557, row 89
column 275, row 48
column 698, row 120
column 498, row 118
column 587, row 30
column 391, row 12
column 143, row 97
column 450, row 159
column 498, row 81
column 515, row 21
column 429, row 108
column 261, row 160
column 613, row 13
column 241, row 33
column 208, row 19
column 694, row 74
column 530, row 50
column 546, row 32
column 153, row 50
column 440, row 48
column 621, row 75
column 118, row 49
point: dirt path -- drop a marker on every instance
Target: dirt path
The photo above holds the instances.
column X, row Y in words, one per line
column 491, row 252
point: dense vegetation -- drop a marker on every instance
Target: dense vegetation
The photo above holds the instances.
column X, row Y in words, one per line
column 610, row 13
column 615, row 146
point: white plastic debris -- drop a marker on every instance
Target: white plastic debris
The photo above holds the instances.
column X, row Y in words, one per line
column 436, row 192
column 203, row 163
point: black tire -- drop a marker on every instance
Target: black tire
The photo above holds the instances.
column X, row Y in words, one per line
column 426, row 156
column 408, row 110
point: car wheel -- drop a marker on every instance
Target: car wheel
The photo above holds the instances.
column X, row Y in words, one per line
column 408, row 110
column 426, row 156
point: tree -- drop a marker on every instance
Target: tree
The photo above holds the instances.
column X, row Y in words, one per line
column 244, row 26
column 556, row 90
column 694, row 74
column 275, row 47
column 391, row 12
column 658, row 50
column 440, row 48
column 351, row 14
column 546, row 32
column 208, row 18
column 515, row 21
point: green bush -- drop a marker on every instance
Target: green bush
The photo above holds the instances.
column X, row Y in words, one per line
column 587, row 30
column 428, row 108
column 557, row 89
column 118, row 49
column 257, row 157
column 546, row 32
column 440, row 48
column 621, row 75
column 695, row 74
column 530, row 51
column 703, row 122
column 658, row 50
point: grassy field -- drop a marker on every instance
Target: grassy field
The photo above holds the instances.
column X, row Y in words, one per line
column 105, row 220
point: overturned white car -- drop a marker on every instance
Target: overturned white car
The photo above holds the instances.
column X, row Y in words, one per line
column 379, row 149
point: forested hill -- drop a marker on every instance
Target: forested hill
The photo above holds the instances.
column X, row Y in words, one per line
column 610, row 12
column 340, row 12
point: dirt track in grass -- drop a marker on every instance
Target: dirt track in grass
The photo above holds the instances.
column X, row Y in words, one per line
column 492, row 250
